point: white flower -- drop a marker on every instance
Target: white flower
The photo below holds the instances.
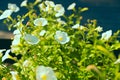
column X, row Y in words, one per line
column 30, row 39
column 26, row 63
column 72, row 6
column 17, row 31
column 62, row 37
column 6, row 14
column 47, row 6
column 14, row 75
column 6, row 56
column 99, row 29
column 45, row 73
column 42, row 32
column 117, row 61
column 61, row 21
column 42, row 6
column 50, row 3
column 24, row 3
column 106, row 35
column 13, row 7
column 77, row 26
column 16, row 40
column 40, row 22
column 59, row 10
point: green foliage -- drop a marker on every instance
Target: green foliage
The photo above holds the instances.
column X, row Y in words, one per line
column 86, row 56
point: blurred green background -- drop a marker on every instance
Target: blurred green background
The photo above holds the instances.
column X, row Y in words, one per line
column 107, row 13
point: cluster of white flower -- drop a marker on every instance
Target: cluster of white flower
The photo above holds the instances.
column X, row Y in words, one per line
column 11, row 8
column 60, row 36
column 49, row 6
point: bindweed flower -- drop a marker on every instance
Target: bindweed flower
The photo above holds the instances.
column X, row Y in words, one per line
column 30, row 39
column 72, row 6
column 6, row 14
column 14, row 75
column 59, row 10
column 106, row 35
column 42, row 32
column 42, row 7
column 16, row 40
column 24, row 3
column 99, row 29
column 26, row 63
column 45, row 35
column 13, row 7
column 62, row 37
column 61, row 21
column 47, row 6
column 17, row 31
column 6, row 56
column 77, row 26
column 40, row 22
column 50, row 3
column 45, row 73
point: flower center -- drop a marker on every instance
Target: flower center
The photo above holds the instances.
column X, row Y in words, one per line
column 60, row 38
column 44, row 77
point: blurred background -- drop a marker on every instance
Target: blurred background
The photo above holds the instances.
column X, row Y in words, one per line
column 106, row 12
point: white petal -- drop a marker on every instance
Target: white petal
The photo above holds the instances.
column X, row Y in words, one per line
column 42, row 6
column 13, row 7
column 24, row 3
column 45, row 72
column 30, row 39
column 72, row 6
column 117, row 61
column 61, row 21
column 50, row 3
column 40, row 22
column 62, row 37
column 16, row 31
column 59, row 10
column 42, row 33
column 14, row 75
column 6, row 55
column 76, row 26
column 106, row 35
column 26, row 63
column 99, row 29
column 16, row 40
column 6, row 14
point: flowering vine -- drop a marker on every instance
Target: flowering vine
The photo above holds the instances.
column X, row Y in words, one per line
column 56, row 46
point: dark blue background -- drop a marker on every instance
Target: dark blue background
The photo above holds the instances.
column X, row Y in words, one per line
column 107, row 12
